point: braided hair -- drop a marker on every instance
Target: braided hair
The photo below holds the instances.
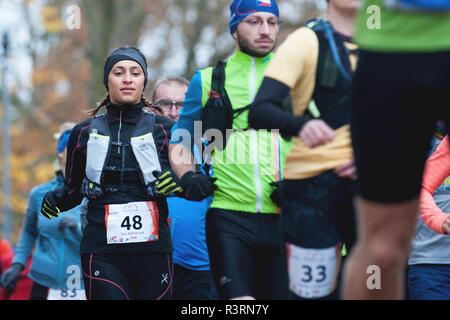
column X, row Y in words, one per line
column 105, row 101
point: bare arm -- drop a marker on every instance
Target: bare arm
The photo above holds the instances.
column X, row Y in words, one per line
column 181, row 159
column 437, row 168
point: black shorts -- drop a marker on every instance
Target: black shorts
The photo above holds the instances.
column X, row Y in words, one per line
column 318, row 212
column 192, row 284
column 38, row 292
column 396, row 100
column 247, row 255
column 127, row 276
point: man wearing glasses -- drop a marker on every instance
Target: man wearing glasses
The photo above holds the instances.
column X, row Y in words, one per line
column 168, row 95
column 242, row 226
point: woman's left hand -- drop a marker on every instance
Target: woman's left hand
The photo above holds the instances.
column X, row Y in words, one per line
column 167, row 182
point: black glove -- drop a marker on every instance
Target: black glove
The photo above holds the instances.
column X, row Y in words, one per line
column 167, row 183
column 275, row 195
column 68, row 222
column 49, row 206
column 9, row 278
column 52, row 204
column 197, row 186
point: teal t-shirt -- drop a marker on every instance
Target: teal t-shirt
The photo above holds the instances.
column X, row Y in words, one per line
column 391, row 30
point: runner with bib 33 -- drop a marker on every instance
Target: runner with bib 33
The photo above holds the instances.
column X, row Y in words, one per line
column 314, row 66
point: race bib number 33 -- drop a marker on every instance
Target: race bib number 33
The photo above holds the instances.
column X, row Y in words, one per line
column 312, row 272
column 132, row 222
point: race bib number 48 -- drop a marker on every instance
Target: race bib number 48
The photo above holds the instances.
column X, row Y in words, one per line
column 132, row 222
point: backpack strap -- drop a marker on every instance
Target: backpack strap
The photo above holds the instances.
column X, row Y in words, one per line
column 218, row 82
column 319, row 24
column 332, row 68
column 145, row 124
column 218, row 86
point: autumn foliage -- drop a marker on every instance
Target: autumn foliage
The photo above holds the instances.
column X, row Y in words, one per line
column 67, row 71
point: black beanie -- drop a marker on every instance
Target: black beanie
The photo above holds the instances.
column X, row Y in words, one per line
column 124, row 53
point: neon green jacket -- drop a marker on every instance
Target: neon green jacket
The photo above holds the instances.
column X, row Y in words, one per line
column 381, row 29
column 252, row 158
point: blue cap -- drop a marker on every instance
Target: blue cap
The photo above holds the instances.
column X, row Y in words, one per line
column 63, row 140
column 243, row 8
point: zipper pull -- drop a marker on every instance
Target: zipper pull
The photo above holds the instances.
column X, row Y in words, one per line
column 118, row 134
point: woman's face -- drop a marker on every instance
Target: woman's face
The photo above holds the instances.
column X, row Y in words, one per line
column 126, row 82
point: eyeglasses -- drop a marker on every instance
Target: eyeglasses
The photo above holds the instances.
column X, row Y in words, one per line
column 168, row 104
column 256, row 22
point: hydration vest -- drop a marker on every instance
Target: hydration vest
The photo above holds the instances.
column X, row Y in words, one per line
column 218, row 112
column 419, row 5
column 331, row 99
column 98, row 151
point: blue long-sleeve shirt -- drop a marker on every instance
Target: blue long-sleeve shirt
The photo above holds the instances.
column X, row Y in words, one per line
column 56, row 256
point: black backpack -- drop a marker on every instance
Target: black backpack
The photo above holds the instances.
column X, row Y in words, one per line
column 333, row 78
column 218, row 112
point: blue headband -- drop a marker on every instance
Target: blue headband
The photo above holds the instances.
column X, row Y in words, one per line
column 62, row 141
column 124, row 53
column 243, row 8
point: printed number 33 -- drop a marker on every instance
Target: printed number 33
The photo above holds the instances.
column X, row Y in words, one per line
column 321, row 275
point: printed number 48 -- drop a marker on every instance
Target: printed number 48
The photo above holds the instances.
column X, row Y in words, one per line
column 137, row 224
column 308, row 273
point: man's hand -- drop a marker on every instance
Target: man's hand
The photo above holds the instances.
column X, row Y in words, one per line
column 197, row 186
column 316, row 132
column 9, row 278
column 347, row 170
column 275, row 194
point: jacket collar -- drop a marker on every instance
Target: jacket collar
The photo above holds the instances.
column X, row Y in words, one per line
column 245, row 59
column 129, row 111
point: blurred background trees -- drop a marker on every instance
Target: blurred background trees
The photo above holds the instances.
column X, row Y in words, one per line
column 56, row 70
